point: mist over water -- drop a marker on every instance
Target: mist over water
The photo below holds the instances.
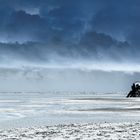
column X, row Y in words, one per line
column 31, row 67
column 98, row 78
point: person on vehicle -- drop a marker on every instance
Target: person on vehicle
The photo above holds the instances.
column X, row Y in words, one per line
column 135, row 92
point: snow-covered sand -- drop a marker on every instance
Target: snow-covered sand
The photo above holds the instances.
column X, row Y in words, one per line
column 37, row 116
column 93, row 131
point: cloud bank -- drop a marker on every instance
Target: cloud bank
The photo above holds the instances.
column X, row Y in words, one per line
column 68, row 31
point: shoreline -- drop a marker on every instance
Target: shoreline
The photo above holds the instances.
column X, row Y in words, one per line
column 76, row 131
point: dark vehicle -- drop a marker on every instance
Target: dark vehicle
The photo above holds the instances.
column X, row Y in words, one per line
column 135, row 90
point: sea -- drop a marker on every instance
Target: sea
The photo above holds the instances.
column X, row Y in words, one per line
column 26, row 109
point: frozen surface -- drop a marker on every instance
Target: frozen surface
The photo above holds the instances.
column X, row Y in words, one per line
column 96, row 131
column 27, row 109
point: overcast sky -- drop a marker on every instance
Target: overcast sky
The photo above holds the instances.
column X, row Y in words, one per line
column 63, row 31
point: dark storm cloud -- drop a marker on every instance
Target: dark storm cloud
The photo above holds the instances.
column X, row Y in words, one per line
column 119, row 19
column 25, row 24
column 95, row 29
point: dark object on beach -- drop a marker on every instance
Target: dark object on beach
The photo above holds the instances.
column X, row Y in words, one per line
column 135, row 92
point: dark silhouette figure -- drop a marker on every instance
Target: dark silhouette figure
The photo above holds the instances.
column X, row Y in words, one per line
column 135, row 92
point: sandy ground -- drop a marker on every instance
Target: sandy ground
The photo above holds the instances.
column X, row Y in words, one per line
column 96, row 131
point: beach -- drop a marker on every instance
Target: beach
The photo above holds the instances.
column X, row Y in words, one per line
column 93, row 131
column 69, row 70
column 68, row 115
